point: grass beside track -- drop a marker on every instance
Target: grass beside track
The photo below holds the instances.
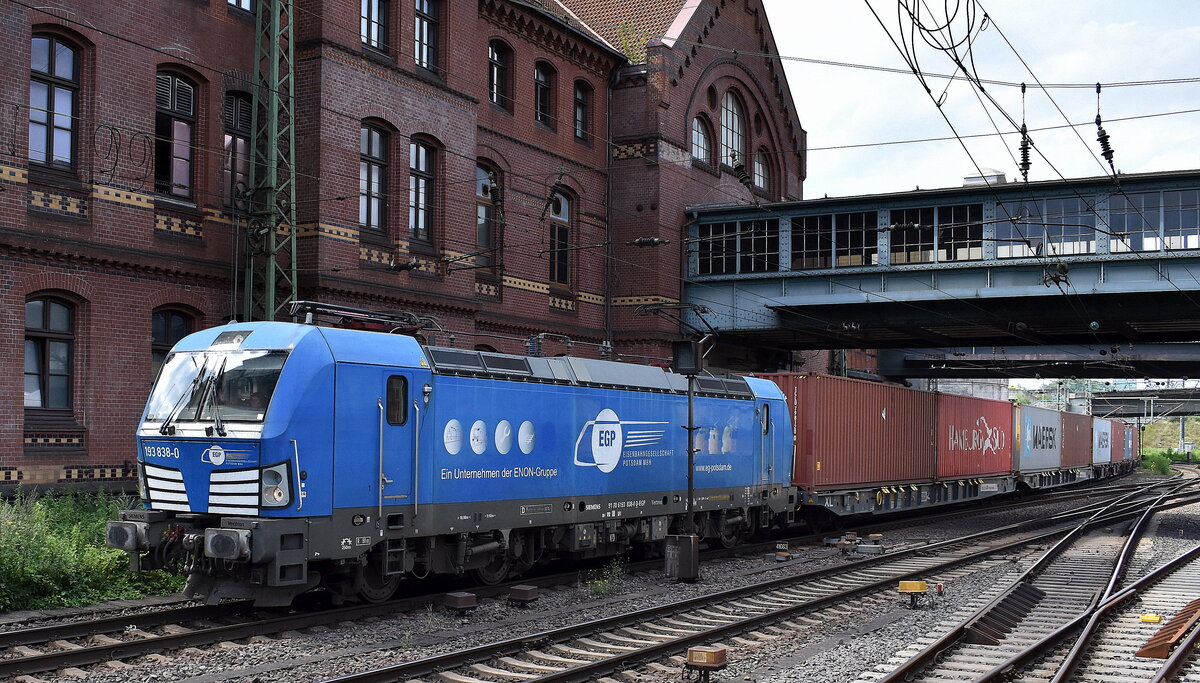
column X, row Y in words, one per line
column 52, row 553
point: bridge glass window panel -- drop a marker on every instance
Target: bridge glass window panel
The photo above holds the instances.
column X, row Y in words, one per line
column 960, row 232
column 1070, row 226
column 912, row 234
column 812, row 242
column 1137, row 217
column 758, row 246
column 1016, row 237
column 716, row 247
column 856, row 239
column 1181, row 219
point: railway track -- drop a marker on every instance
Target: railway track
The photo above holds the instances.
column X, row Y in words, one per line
column 1035, row 617
column 762, row 611
column 74, row 645
column 1109, row 646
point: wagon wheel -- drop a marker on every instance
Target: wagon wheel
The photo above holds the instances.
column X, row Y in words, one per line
column 495, row 571
column 373, row 586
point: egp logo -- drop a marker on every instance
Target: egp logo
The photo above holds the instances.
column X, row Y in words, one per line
column 608, row 439
column 214, row 454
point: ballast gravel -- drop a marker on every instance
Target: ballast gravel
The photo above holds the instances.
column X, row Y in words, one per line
column 834, row 651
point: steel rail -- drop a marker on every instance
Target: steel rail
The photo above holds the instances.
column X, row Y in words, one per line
column 99, row 653
column 937, row 648
column 80, row 629
column 1105, row 608
column 437, row 663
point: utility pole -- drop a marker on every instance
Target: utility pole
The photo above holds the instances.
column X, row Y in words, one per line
column 270, row 231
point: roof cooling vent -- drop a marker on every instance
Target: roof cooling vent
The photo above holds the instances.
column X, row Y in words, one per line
column 986, row 176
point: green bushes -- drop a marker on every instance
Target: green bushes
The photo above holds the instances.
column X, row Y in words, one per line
column 52, row 553
column 1169, row 453
column 1157, row 462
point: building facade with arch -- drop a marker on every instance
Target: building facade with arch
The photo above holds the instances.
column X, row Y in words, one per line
column 511, row 151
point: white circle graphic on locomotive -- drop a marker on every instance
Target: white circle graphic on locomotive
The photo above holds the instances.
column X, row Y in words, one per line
column 479, row 437
column 525, row 437
column 607, row 440
column 504, row 437
column 452, row 437
column 214, row 454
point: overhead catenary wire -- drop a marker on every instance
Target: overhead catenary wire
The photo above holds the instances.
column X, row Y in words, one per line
column 608, row 206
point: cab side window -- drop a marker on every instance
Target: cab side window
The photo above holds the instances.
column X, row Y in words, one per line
column 397, row 400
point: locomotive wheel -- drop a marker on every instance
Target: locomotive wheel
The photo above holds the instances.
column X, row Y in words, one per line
column 494, row 572
column 731, row 538
column 373, row 586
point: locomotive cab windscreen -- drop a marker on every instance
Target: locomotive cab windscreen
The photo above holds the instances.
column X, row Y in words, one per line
column 212, row 388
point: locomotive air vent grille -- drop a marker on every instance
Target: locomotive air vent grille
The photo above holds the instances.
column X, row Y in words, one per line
column 737, row 386
column 166, row 489
column 710, row 384
column 506, row 364
column 233, row 492
column 457, row 360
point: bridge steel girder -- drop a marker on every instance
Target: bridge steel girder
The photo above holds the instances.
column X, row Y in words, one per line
column 1115, row 298
column 1090, row 361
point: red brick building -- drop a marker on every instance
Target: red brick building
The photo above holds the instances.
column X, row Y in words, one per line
column 510, row 149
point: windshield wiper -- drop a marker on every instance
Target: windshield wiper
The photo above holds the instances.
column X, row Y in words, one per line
column 168, row 429
column 214, row 388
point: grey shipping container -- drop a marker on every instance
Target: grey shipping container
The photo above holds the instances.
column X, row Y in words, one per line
column 1101, row 441
column 1038, row 440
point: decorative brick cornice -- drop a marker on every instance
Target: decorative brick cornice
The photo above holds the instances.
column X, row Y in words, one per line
column 528, row 25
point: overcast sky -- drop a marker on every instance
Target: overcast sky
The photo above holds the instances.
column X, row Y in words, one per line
column 1062, row 42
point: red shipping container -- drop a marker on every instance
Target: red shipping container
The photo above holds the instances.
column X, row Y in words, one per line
column 1118, row 441
column 852, row 433
column 974, row 436
column 1077, row 440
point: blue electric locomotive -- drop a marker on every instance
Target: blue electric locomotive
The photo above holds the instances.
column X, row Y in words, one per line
column 274, row 458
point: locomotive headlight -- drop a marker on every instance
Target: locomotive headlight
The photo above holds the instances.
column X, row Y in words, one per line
column 276, row 486
column 141, row 481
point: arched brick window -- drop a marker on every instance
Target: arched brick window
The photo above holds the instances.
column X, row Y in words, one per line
column 49, row 352
column 372, row 178
column 53, row 96
column 174, row 134
column 701, row 141
column 168, row 326
column 544, row 85
column 733, row 130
